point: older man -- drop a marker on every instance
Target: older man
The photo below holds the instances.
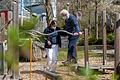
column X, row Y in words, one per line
column 71, row 25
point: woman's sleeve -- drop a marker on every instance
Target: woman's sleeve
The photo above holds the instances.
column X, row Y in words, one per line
column 46, row 31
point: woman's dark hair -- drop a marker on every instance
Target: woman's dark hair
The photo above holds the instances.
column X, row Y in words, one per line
column 52, row 22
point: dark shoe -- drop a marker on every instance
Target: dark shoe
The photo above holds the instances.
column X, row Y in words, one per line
column 54, row 72
column 66, row 62
column 74, row 61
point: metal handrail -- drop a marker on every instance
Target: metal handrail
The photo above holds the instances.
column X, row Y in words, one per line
column 52, row 32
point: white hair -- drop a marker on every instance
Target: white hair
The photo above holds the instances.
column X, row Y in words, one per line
column 64, row 12
column 54, row 18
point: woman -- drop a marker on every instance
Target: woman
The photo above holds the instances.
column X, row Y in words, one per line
column 51, row 44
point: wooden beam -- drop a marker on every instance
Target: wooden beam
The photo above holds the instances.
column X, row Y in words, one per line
column 50, row 75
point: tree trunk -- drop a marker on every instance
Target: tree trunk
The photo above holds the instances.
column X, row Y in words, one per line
column 48, row 10
column 89, row 22
column 96, row 19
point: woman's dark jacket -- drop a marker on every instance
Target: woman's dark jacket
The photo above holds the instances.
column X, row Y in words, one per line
column 54, row 38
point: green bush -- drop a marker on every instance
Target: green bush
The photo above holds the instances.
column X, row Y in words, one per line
column 29, row 24
column 92, row 40
column 110, row 38
column 98, row 41
column 81, row 42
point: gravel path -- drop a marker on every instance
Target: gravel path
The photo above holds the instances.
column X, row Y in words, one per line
column 36, row 66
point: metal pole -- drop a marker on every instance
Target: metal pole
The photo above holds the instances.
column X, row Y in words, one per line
column 117, row 41
column 22, row 12
column 30, row 59
column 86, row 48
column 104, row 37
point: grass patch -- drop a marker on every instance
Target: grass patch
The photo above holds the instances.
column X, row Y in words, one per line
column 80, row 54
column 63, row 54
column 89, row 74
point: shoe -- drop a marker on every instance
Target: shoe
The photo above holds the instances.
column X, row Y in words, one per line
column 73, row 61
column 54, row 72
column 66, row 62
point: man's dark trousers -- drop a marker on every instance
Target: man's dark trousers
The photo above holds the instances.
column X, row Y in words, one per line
column 72, row 54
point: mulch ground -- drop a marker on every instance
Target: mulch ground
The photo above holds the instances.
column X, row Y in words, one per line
column 64, row 71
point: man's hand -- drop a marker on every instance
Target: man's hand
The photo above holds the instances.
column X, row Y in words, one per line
column 80, row 33
column 77, row 33
column 49, row 43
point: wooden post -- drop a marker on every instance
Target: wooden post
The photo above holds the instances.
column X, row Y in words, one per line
column 86, row 48
column 104, row 37
column 117, row 41
column 15, row 23
column 15, row 14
